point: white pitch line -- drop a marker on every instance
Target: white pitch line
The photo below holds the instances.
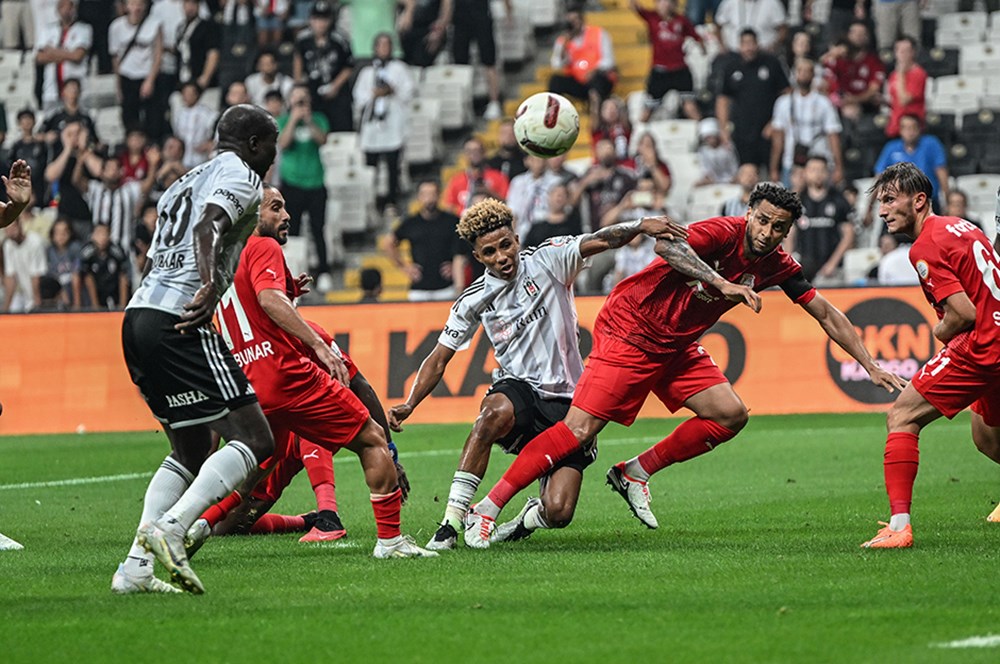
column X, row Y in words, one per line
column 602, row 442
column 136, row 476
column 988, row 641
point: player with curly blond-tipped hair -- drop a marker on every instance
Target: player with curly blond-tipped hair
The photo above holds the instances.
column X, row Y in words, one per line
column 524, row 302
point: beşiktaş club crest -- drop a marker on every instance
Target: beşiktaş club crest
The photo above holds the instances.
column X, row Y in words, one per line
column 530, row 287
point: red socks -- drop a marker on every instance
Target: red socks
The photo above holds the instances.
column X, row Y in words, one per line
column 537, row 458
column 218, row 511
column 692, row 438
column 386, row 508
column 902, row 456
column 278, row 523
column 318, row 463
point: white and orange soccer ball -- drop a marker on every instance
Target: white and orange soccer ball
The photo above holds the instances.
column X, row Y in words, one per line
column 546, row 125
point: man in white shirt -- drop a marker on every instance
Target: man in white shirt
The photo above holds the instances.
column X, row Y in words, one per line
column 528, row 196
column 805, row 123
column 24, row 264
column 524, row 303
column 63, row 50
column 135, row 41
column 194, row 123
column 267, row 78
column 765, row 17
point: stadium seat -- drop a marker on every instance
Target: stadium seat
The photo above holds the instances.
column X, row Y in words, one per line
column 515, row 38
column 939, row 61
column 543, row 13
column 100, row 91
column 981, row 189
column 296, row 251
column 578, row 166
column 352, row 192
column 856, row 164
column 959, row 28
column 108, row 124
column 341, row 150
column 452, row 86
column 936, row 8
column 961, row 161
column 941, row 125
column 960, row 84
column 672, row 136
column 858, row 263
column 706, row 201
column 423, row 137
column 981, row 128
column 684, row 172
column 980, row 60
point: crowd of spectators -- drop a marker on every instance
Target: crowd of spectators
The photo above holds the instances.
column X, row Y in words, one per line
column 784, row 102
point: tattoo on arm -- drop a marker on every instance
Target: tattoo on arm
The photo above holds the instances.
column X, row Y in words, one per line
column 618, row 235
column 682, row 258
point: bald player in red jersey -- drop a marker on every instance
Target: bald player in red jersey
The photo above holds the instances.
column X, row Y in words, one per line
column 272, row 343
column 960, row 275
column 646, row 340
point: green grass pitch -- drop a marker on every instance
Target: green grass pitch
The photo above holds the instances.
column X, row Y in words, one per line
column 756, row 559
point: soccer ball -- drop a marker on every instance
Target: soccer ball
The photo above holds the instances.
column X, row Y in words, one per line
column 546, row 125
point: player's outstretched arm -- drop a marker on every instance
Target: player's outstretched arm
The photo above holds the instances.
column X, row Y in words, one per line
column 208, row 230
column 18, row 185
column 682, row 258
column 428, row 376
column 839, row 328
column 618, row 235
column 959, row 316
column 280, row 309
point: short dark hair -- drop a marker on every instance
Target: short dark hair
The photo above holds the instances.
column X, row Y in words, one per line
column 431, row 181
column 192, row 84
column 915, row 118
column 905, row 178
column 748, row 32
column 371, row 279
column 25, row 112
column 71, row 80
column 271, row 95
column 241, row 122
column 778, row 196
column 955, row 191
column 911, row 40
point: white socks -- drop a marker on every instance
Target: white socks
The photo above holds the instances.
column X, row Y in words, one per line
column 899, row 521
column 219, row 475
column 169, row 482
column 635, row 470
column 463, row 489
column 533, row 518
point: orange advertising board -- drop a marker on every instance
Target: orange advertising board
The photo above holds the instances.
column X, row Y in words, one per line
column 65, row 372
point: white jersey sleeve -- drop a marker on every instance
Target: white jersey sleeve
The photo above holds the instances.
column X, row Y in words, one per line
column 464, row 319
column 560, row 256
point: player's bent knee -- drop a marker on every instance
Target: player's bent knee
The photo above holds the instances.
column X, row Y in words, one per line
column 734, row 419
column 494, row 420
column 558, row 513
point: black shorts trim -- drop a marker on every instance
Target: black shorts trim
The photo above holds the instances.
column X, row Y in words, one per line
column 186, row 379
column 532, row 416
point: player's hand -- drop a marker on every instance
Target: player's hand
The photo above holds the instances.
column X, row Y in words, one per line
column 302, row 283
column 199, row 311
column 663, row 227
column 19, row 183
column 414, row 272
column 397, row 414
column 333, row 362
column 743, row 294
column 887, row 380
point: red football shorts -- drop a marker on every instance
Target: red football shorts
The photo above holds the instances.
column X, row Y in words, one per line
column 618, row 378
column 329, row 415
column 950, row 383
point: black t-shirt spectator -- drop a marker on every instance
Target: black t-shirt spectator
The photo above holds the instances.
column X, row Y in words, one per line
column 753, row 87
column 322, row 64
column 194, row 40
column 71, row 201
column 433, row 244
column 106, row 268
column 36, row 154
column 543, row 230
column 818, row 230
column 510, row 165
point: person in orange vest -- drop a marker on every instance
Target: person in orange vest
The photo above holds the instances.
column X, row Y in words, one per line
column 584, row 60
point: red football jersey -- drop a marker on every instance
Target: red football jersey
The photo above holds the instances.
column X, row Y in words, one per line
column 667, row 36
column 952, row 255
column 660, row 309
column 352, row 369
column 276, row 363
